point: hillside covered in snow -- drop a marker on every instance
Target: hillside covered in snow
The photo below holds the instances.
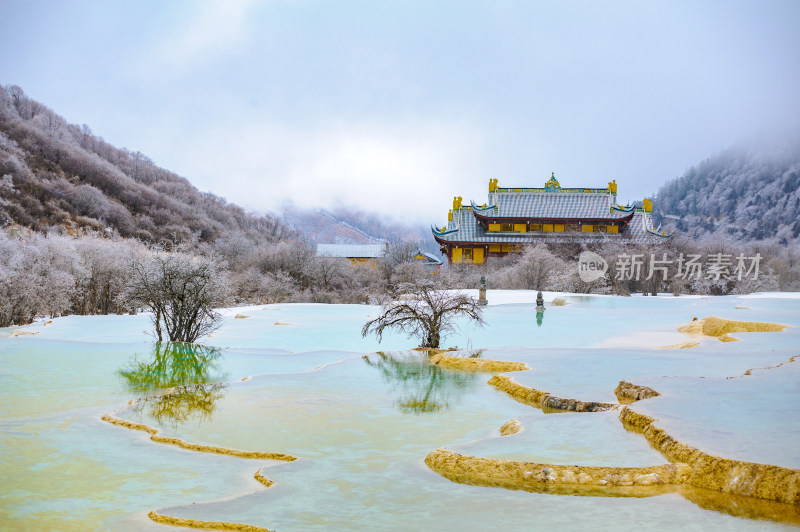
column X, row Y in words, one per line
column 745, row 193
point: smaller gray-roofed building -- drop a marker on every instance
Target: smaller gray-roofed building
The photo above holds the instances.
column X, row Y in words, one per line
column 354, row 252
column 431, row 262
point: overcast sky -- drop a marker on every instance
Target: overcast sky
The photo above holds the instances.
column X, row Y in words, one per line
column 396, row 107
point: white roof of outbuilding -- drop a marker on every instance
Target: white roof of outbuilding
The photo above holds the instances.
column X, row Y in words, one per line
column 352, row 251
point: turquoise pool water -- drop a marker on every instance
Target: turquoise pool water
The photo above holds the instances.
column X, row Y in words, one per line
column 360, row 422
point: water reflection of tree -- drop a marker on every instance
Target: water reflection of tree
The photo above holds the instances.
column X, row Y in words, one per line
column 424, row 387
column 186, row 372
column 192, row 401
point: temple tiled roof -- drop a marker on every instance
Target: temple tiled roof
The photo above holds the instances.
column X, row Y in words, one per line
column 553, row 205
column 465, row 228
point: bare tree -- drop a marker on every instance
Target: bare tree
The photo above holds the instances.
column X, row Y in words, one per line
column 400, row 253
column 426, row 312
column 181, row 293
column 328, row 273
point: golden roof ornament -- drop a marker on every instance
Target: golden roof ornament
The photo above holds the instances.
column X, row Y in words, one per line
column 553, row 182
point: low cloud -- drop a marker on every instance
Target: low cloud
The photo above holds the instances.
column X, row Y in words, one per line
column 409, row 170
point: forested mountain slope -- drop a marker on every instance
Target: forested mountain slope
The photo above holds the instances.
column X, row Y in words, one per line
column 59, row 176
column 746, row 193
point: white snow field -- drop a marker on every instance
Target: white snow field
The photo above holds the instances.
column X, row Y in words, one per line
column 362, row 416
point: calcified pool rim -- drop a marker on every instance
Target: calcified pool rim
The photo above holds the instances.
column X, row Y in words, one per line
column 765, row 491
column 250, row 455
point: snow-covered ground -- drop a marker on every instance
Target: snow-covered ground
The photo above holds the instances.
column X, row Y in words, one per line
column 771, row 295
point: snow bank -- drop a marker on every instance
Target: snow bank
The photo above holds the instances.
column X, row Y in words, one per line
column 773, row 295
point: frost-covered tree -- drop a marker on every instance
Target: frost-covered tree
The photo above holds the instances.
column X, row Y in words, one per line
column 36, row 277
column 329, row 273
column 102, row 275
column 424, row 311
column 181, row 292
column 409, row 272
column 534, row 269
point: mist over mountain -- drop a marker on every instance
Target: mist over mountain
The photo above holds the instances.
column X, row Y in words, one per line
column 750, row 192
column 56, row 176
column 343, row 225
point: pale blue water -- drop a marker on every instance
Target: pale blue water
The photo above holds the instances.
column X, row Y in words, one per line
column 361, row 428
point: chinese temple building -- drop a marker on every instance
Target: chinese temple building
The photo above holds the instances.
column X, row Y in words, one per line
column 514, row 217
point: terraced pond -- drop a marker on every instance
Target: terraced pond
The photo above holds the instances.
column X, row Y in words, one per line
column 360, row 418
